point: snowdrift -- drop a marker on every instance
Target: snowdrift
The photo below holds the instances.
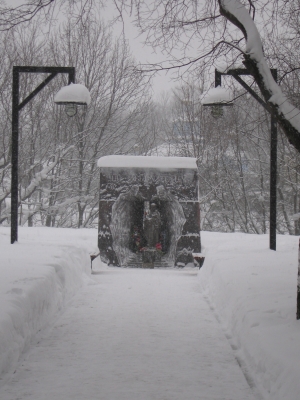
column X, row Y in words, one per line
column 252, row 291
column 38, row 276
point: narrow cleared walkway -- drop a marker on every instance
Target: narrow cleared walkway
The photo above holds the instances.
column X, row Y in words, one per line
column 132, row 334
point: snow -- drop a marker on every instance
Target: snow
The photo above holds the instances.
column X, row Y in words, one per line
column 227, row 66
column 197, row 254
column 255, row 49
column 133, row 333
column 295, row 217
column 117, row 161
column 38, row 276
column 73, row 93
column 216, row 95
column 252, row 291
column 7, row 202
column 253, row 43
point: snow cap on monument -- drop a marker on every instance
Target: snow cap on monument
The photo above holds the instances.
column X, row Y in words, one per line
column 73, row 93
column 121, row 161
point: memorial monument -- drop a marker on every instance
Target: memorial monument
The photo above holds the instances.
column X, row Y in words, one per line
column 149, row 213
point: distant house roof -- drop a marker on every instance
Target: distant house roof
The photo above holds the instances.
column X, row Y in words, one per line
column 147, row 162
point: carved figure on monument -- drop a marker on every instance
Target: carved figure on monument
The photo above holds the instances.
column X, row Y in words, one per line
column 152, row 225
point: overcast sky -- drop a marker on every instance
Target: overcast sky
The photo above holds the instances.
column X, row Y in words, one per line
column 143, row 54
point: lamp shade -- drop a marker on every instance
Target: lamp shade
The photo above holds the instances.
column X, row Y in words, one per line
column 75, row 93
column 217, row 96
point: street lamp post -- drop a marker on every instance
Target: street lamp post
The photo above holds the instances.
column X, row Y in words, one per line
column 16, row 107
column 236, row 74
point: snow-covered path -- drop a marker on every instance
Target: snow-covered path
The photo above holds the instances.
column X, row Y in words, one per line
column 132, row 334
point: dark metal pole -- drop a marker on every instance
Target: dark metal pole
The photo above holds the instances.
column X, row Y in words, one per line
column 71, row 76
column 273, row 176
column 298, row 285
column 273, row 182
column 15, row 129
column 218, row 78
column 273, row 140
column 14, row 156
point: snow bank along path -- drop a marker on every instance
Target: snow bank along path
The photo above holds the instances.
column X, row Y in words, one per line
column 252, row 291
column 38, row 276
column 132, row 334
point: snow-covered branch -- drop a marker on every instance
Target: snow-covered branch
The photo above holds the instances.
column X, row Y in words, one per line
column 287, row 115
column 43, row 174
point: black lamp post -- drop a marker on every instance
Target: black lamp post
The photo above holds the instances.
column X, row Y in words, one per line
column 236, row 74
column 16, row 107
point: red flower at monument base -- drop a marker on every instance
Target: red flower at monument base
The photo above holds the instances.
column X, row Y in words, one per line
column 158, row 246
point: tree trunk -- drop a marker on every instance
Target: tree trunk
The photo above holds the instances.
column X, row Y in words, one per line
column 30, row 221
column 298, row 285
column 80, row 215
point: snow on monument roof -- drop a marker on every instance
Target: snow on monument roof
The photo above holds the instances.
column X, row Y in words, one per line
column 117, row 161
column 75, row 92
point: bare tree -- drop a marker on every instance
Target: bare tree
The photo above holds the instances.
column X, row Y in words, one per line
column 233, row 160
column 107, row 69
column 58, row 156
column 44, row 10
column 180, row 24
column 168, row 22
